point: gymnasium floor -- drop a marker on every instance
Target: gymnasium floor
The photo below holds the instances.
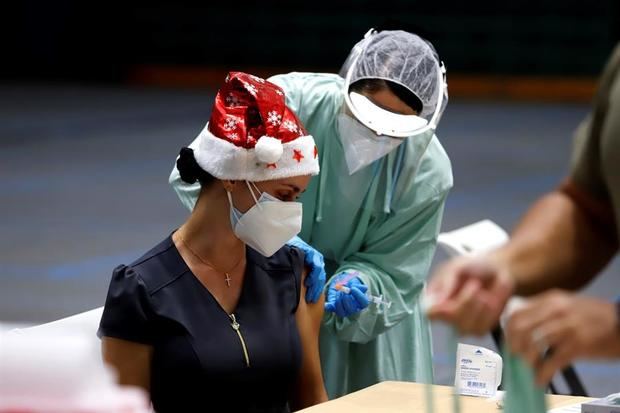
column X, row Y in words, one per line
column 83, row 187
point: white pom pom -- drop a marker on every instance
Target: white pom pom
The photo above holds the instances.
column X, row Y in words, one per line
column 268, row 149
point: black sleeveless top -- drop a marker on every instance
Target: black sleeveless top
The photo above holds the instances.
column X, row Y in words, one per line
column 203, row 360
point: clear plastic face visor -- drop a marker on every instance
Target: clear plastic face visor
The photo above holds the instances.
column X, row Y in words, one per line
column 384, row 122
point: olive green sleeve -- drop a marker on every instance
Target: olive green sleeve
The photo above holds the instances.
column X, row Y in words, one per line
column 586, row 166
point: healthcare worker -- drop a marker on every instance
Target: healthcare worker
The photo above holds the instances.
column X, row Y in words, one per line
column 376, row 208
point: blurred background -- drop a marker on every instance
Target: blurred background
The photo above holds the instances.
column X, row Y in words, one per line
column 96, row 101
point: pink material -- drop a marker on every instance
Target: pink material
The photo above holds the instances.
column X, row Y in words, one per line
column 346, row 279
column 112, row 400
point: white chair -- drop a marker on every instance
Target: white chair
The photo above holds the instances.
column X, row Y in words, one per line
column 473, row 239
column 83, row 324
column 58, row 366
column 480, row 237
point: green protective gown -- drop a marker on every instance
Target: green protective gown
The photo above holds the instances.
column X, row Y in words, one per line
column 383, row 222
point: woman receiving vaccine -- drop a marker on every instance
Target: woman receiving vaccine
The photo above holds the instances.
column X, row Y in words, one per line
column 213, row 317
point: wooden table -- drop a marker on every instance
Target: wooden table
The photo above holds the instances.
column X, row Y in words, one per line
column 405, row 397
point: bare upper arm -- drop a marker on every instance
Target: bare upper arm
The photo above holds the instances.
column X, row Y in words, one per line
column 310, row 388
column 599, row 213
column 131, row 360
column 552, row 247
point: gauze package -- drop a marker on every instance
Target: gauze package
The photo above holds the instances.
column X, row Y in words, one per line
column 478, row 371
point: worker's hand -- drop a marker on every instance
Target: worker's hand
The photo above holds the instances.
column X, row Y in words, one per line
column 470, row 293
column 315, row 280
column 564, row 326
column 342, row 303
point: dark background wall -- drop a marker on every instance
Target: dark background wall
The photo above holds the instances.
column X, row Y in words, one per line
column 79, row 40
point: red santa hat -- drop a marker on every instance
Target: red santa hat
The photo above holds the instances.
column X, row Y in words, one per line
column 252, row 135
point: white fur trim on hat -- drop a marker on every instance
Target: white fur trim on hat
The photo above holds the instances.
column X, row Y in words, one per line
column 268, row 149
column 225, row 160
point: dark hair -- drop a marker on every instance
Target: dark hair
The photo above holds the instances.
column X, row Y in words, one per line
column 376, row 85
column 189, row 169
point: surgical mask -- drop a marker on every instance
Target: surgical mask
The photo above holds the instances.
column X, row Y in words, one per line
column 361, row 145
column 268, row 224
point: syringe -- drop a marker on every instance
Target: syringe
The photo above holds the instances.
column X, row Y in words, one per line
column 377, row 299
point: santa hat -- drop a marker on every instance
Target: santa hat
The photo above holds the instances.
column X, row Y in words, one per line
column 252, row 135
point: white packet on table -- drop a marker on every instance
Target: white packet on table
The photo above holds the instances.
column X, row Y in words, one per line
column 478, row 371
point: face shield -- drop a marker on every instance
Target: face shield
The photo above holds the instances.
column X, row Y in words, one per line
column 369, row 132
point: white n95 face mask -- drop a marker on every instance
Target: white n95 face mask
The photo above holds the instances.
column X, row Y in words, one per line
column 268, row 225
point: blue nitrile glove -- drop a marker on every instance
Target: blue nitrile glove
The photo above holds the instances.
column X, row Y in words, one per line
column 315, row 280
column 346, row 304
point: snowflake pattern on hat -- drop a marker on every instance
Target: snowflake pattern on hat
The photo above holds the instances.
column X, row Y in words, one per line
column 230, row 124
column 232, row 100
column 290, row 126
column 274, row 118
column 252, row 89
column 253, row 135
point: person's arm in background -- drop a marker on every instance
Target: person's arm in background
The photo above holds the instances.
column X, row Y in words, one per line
column 568, row 236
column 309, row 389
column 394, row 263
column 583, row 239
column 563, row 241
